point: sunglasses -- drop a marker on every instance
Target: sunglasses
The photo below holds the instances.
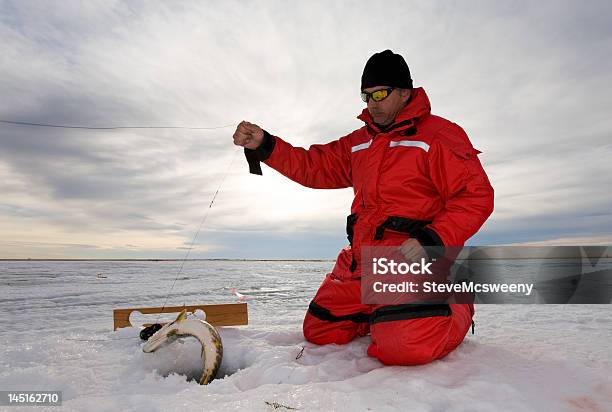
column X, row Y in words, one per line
column 377, row 95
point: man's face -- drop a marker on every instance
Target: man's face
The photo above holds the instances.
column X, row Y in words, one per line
column 384, row 112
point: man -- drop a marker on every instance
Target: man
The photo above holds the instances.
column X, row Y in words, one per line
column 417, row 182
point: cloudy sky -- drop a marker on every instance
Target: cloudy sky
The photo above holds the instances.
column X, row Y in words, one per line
column 529, row 81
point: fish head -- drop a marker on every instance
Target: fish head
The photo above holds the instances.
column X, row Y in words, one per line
column 166, row 334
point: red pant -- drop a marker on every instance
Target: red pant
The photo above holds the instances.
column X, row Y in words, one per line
column 401, row 335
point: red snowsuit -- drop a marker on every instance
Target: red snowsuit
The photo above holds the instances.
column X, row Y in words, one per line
column 421, row 171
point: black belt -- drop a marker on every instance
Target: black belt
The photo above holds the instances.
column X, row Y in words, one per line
column 324, row 314
column 409, row 311
column 350, row 223
column 400, row 224
column 383, row 314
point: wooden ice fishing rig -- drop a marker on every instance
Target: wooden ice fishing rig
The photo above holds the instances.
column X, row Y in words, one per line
column 228, row 314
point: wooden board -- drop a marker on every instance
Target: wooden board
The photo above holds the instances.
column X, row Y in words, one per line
column 229, row 314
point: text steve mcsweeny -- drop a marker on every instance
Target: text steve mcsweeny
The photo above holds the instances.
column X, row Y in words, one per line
column 384, row 266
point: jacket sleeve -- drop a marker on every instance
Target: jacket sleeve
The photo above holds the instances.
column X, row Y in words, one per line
column 462, row 185
column 322, row 166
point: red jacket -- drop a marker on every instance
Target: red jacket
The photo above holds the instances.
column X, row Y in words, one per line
column 421, row 167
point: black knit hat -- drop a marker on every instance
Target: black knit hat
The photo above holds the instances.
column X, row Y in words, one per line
column 386, row 69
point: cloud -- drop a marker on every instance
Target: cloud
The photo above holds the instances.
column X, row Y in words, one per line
column 527, row 82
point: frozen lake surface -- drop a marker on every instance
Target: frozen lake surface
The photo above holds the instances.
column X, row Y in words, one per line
column 57, row 334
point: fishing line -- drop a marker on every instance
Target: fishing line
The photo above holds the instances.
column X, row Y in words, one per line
column 212, row 202
column 63, row 126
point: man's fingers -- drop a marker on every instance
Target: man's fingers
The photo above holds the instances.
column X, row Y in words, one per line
column 242, row 135
column 247, row 135
column 250, row 126
column 408, row 247
column 412, row 250
column 245, row 126
column 238, row 137
column 243, row 141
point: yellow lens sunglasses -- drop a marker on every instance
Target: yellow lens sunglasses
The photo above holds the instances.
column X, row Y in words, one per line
column 377, row 95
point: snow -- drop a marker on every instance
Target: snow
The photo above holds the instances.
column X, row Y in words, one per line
column 57, row 335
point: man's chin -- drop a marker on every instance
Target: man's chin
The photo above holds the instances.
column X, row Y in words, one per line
column 381, row 122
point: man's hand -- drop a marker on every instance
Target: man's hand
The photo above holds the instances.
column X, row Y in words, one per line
column 248, row 135
column 413, row 250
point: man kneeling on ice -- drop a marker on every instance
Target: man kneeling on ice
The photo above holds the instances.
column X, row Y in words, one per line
column 408, row 169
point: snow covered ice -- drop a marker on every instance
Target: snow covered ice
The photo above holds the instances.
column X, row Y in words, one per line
column 57, row 335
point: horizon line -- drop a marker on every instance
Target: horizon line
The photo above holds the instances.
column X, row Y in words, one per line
column 159, row 260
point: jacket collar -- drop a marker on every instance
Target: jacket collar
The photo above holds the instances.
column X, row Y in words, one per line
column 417, row 107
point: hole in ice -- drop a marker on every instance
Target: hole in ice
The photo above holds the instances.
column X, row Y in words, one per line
column 181, row 357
